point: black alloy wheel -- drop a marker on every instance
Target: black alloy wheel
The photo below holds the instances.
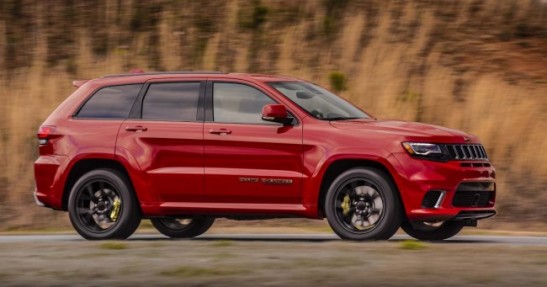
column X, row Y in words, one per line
column 362, row 204
column 102, row 206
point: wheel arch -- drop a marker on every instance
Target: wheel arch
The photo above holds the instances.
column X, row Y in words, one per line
column 86, row 165
column 339, row 166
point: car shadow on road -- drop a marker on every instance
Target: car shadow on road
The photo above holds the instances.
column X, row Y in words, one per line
column 274, row 238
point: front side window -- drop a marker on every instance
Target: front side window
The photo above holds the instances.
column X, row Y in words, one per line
column 171, row 102
column 110, row 102
column 319, row 102
column 238, row 103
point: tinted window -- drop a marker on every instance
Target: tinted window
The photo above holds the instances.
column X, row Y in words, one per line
column 237, row 103
column 171, row 102
column 110, row 102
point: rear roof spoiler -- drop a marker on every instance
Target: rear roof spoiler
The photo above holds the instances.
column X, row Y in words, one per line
column 79, row 83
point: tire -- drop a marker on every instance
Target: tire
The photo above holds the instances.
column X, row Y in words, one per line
column 92, row 206
column 363, row 204
column 182, row 228
column 431, row 232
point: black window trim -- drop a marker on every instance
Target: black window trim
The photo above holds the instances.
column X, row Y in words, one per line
column 136, row 110
column 75, row 114
column 209, row 117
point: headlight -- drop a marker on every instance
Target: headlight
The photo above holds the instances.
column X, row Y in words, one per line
column 426, row 151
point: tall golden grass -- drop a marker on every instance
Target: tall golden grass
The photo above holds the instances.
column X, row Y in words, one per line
column 479, row 66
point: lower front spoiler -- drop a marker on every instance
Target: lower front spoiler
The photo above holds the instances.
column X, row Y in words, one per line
column 470, row 218
column 467, row 218
column 474, row 215
column 446, row 214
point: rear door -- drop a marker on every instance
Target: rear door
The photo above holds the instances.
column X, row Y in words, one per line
column 247, row 159
column 164, row 136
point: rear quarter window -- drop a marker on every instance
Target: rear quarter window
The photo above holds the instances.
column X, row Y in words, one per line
column 110, row 102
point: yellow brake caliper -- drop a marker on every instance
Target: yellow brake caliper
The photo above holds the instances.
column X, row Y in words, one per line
column 345, row 205
column 115, row 209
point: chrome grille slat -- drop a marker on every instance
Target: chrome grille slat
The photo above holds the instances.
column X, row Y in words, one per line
column 467, row 151
column 484, row 152
column 460, row 148
column 456, row 156
column 481, row 152
column 473, row 151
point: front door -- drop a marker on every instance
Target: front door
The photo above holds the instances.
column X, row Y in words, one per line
column 249, row 160
column 165, row 138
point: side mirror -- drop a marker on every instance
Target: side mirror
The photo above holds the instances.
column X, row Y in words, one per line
column 276, row 113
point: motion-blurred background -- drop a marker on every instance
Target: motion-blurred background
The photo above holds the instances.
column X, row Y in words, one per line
column 475, row 65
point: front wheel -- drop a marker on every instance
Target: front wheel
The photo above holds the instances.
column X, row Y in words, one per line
column 432, row 231
column 102, row 205
column 362, row 204
column 182, row 227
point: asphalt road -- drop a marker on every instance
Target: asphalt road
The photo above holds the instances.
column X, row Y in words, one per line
column 463, row 239
column 223, row 259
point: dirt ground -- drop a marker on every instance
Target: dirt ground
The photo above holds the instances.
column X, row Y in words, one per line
column 217, row 262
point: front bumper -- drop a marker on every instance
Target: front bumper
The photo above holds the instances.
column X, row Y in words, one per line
column 417, row 177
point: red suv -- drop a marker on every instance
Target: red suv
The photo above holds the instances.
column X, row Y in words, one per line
column 184, row 148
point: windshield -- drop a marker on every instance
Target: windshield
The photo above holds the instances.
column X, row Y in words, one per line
column 318, row 102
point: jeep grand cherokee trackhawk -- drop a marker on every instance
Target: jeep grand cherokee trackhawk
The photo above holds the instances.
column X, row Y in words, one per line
column 184, row 148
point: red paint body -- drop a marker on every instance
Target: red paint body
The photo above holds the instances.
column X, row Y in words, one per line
column 184, row 168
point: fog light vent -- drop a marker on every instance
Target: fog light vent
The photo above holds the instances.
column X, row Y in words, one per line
column 433, row 199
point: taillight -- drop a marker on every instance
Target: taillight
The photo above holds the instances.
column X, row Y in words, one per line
column 44, row 134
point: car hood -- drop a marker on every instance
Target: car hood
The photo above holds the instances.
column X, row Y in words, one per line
column 410, row 130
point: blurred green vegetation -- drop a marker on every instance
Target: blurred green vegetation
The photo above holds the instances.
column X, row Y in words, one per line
column 113, row 245
column 412, row 245
column 338, row 81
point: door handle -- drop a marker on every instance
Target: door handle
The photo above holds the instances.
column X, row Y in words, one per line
column 136, row 129
column 221, row 132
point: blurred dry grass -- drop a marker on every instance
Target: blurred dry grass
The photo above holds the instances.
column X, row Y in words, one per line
column 479, row 66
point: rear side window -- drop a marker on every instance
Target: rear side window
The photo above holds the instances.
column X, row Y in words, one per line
column 110, row 102
column 171, row 102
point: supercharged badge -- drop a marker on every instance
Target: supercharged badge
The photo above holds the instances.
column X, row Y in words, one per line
column 279, row 181
column 248, row 179
column 273, row 181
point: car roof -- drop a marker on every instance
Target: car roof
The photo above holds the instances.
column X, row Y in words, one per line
column 120, row 79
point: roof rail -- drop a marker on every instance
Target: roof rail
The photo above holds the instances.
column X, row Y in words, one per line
column 79, row 83
column 164, row 73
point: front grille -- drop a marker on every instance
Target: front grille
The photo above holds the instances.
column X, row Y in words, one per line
column 474, row 194
column 472, row 199
column 467, row 151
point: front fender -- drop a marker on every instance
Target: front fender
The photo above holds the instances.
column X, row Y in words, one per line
column 312, row 187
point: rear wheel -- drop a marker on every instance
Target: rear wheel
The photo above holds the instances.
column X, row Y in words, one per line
column 432, row 230
column 102, row 205
column 362, row 204
column 182, row 227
